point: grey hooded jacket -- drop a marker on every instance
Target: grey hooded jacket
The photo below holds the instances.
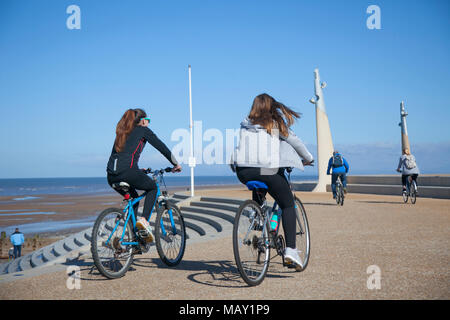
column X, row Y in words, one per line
column 258, row 148
column 403, row 169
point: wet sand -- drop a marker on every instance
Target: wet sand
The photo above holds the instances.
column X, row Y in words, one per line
column 51, row 217
column 53, row 208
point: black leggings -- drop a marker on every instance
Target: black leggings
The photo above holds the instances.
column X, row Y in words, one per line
column 405, row 176
column 279, row 190
column 140, row 181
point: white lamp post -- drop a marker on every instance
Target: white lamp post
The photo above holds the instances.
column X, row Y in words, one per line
column 191, row 126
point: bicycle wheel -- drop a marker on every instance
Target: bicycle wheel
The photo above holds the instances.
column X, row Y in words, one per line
column 338, row 193
column 413, row 192
column 342, row 196
column 170, row 235
column 405, row 195
column 112, row 258
column 302, row 237
column 251, row 243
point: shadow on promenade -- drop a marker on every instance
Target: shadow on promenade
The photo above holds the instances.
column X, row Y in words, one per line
column 216, row 273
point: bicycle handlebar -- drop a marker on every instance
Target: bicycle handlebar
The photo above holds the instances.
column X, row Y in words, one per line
column 157, row 172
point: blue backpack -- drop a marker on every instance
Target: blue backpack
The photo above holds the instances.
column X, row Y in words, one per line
column 338, row 161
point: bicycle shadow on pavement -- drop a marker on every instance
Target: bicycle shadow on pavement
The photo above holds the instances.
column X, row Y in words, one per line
column 216, row 273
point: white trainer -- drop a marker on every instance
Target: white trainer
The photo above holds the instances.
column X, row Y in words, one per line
column 142, row 224
column 291, row 257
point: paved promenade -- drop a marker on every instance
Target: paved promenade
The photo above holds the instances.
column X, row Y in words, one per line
column 408, row 244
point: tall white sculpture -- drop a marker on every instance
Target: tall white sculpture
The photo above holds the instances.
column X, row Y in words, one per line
column 324, row 141
column 402, row 124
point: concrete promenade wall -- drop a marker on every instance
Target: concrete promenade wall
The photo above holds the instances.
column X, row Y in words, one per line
column 430, row 186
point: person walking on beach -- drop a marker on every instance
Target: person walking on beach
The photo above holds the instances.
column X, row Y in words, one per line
column 17, row 239
column 408, row 167
column 269, row 121
column 131, row 135
column 340, row 168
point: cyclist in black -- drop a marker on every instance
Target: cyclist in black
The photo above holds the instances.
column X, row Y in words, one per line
column 131, row 135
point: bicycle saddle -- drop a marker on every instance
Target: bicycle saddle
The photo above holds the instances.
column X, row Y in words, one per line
column 251, row 185
column 121, row 186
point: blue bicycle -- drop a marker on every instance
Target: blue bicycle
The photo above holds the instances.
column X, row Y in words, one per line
column 115, row 238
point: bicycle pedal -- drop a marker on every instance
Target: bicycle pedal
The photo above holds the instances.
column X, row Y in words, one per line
column 136, row 250
column 145, row 248
column 143, row 233
column 289, row 265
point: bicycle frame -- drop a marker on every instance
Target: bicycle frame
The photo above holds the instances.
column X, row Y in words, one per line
column 267, row 215
column 129, row 208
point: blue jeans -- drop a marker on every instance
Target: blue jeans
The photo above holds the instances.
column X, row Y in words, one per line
column 17, row 251
column 333, row 181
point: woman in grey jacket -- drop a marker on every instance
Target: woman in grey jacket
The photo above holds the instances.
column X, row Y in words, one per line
column 266, row 147
column 408, row 167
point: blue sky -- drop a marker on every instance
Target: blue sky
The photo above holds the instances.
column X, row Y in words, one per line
column 62, row 91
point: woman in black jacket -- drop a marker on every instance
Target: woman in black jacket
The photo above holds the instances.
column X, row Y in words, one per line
column 131, row 135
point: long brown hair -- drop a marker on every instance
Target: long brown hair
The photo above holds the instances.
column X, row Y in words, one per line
column 126, row 124
column 271, row 114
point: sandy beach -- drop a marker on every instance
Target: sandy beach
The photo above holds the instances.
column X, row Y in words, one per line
column 51, row 217
column 51, row 208
column 408, row 243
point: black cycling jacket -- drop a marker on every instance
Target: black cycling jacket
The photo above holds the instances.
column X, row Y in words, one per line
column 129, row 157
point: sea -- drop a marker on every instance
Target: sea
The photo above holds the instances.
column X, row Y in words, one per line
column 30, row 188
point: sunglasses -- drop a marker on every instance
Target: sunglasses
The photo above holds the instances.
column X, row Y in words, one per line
column 148, row 119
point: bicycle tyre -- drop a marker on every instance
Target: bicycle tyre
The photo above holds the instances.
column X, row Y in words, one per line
column 405, row 196
column 250, row 238
column 110, row 266
column 338, row 193
column 172, row 245
column 413, row 193
column 302, row 237
column 342, row 197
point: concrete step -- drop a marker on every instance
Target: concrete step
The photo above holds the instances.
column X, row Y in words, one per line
column 25, row 263
column 222, row 200
column 3, row 267
column 69, row 244
column 206, row 227
column 180, row 196
column 194, row 227
column 13, row 266
column 303, row 186
column 48, row 254
column 37, row 258
column 222, row 214
column 199, row 231
column 58, row 248
column 212, row 223
column 215, row 205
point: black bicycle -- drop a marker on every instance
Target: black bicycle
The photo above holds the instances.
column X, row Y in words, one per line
column 411, row 190
column 253, row 238
column 340, row 195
